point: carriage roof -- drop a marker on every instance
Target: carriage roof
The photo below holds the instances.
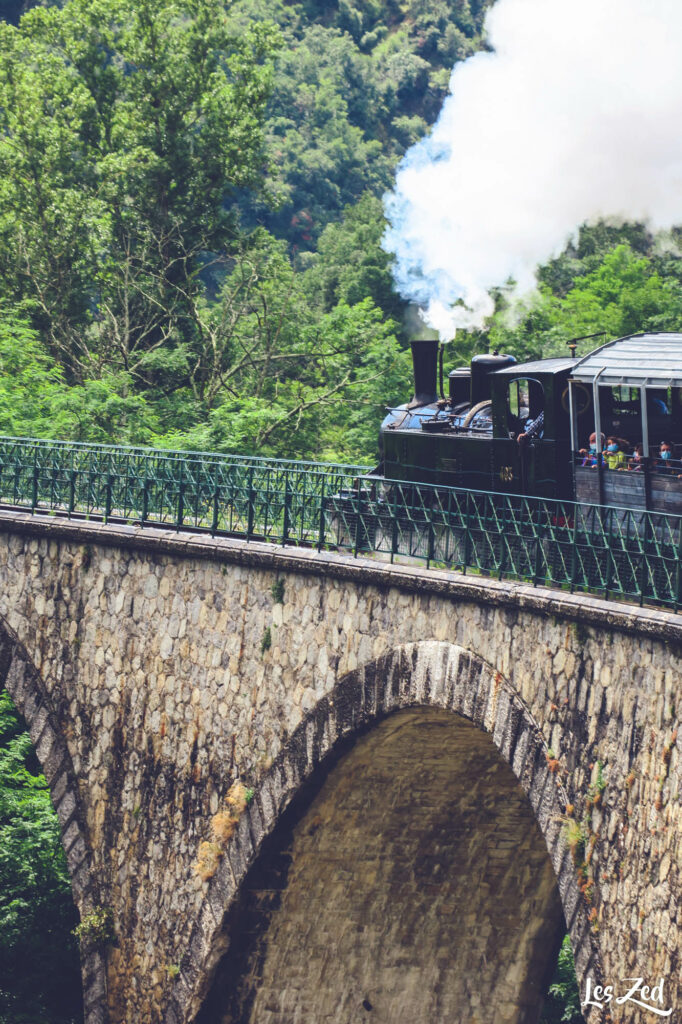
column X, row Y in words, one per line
column 639, row 360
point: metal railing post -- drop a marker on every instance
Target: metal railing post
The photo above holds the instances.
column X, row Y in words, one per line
column 358, row 518
column 72, row 491
column 574, row 548
column 537, row 560
column 216, row 500
column 145, row 500
column 394, row 525
column 501, row 534
column 251, row 503
column 181, row 498
column 644, row 560
column 467, row 535
column 34, row 491
column 287, row 507
column 322, row 524
column 107, row 497
column 448, row 530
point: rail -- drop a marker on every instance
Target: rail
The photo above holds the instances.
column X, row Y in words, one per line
column 616, row 552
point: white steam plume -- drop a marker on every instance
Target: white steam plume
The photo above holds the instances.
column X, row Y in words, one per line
column 576, row 115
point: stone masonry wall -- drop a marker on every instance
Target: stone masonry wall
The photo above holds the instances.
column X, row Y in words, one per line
column 171, row 666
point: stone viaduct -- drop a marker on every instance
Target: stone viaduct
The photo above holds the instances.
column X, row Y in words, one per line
column 314, row 789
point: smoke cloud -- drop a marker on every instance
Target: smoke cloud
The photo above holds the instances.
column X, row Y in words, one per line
column 576, row 115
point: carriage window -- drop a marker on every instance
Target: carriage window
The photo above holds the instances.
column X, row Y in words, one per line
column 658, row 401
column 620, row 411
column 619, row 405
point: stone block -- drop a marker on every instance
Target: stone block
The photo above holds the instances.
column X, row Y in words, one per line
column 66, row 808
column 18, row 682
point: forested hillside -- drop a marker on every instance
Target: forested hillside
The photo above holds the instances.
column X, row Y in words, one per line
column 194, row 258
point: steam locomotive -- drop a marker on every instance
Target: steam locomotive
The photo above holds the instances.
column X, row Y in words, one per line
column 524, row 428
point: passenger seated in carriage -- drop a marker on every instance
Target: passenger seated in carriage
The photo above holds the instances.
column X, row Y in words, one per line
column 614, row 458
column 665, row 463
column 636, row 460
column 591, row 457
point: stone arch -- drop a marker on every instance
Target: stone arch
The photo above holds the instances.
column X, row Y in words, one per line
column 427, row 674
column 29, row 694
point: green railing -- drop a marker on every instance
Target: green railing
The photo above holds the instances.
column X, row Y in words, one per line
column 611, row 551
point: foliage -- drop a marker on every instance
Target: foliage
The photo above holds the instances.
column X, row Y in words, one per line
column 562, row 1005
column 151, row 318
column 123, row 127
column 624, row 282
column 39, row 966
column 350, row 265
column 96, row 929
column 273, row 373
column 35, row 401
column 355, row 84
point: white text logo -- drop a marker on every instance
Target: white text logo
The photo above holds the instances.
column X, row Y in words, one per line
column 639, row 994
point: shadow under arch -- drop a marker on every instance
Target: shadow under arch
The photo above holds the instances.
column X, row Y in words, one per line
column 30, row 697
column 431, row 675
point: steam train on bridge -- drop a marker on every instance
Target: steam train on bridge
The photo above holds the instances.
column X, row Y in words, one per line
column 526, row 428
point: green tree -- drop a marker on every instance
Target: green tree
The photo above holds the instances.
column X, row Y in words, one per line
column 622, row 294
column 35, row 400
column 276, row 375
column 123, row 128
column 350, row 264
column 29, row 380
column 39, row 962
column 562, row 1005
column 323, row 150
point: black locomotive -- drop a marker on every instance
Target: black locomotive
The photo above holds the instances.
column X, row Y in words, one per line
column 525, row 428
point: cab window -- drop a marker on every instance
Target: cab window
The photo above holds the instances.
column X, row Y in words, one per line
column 525, row 402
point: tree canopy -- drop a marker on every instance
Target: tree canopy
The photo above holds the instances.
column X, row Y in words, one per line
column 616, row 280
column 124, row 129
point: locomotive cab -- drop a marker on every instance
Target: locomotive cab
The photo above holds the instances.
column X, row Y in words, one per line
column 530, row 403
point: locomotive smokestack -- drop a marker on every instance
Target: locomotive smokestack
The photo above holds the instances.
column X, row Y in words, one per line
column 425, row 364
